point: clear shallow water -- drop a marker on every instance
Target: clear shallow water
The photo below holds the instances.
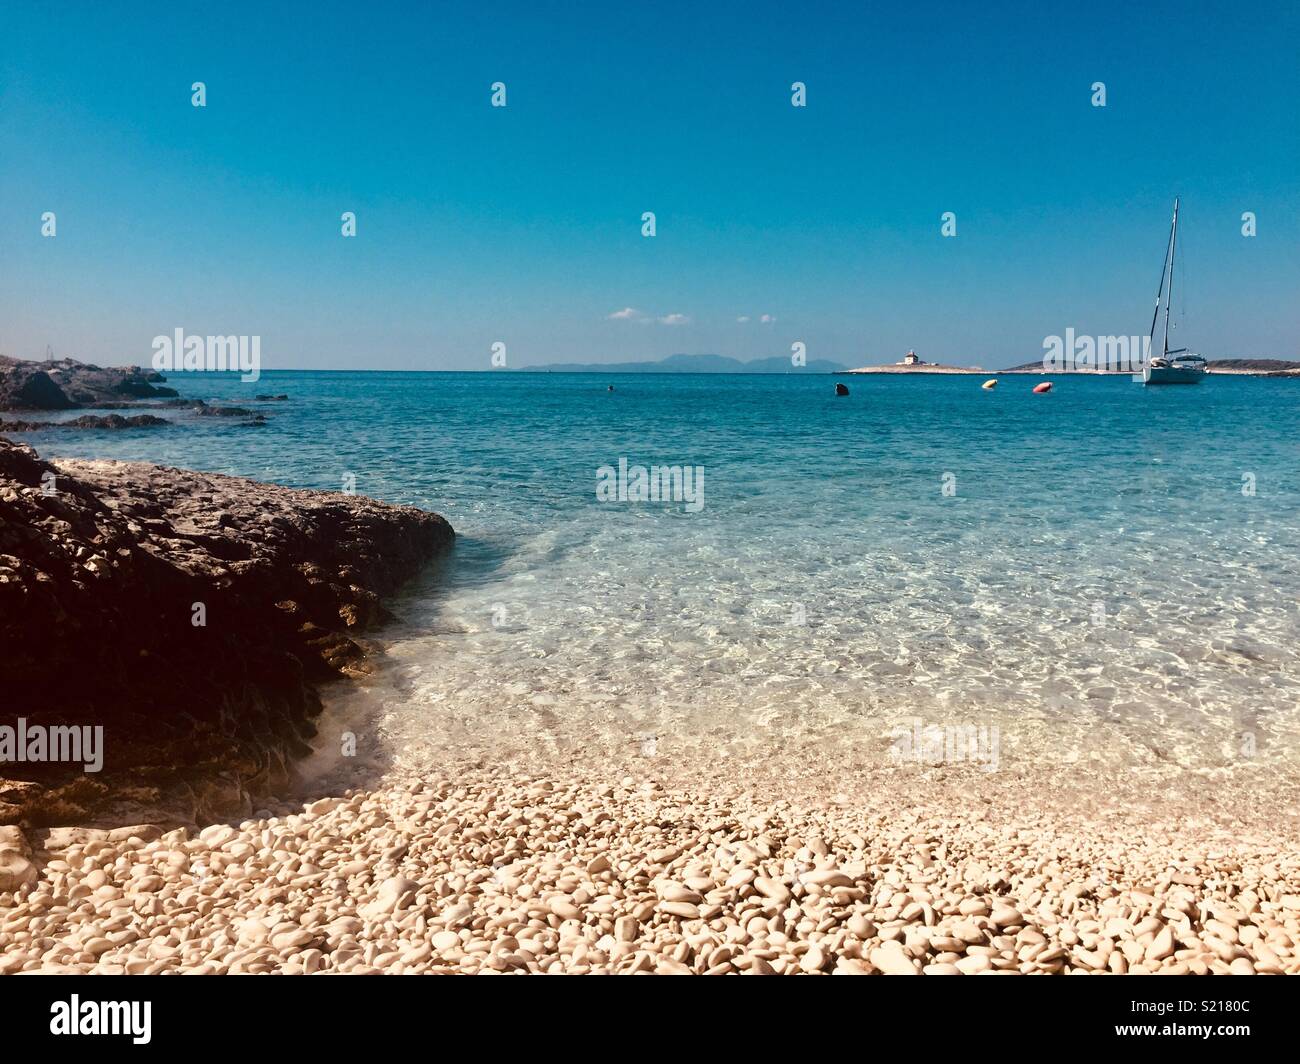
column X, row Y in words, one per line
column 1098, row 588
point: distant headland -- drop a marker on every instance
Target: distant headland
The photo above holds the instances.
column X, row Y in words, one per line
column 1247, row 367
column 1254, row 367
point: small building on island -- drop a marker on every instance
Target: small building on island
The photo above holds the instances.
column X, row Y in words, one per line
column 913, row 363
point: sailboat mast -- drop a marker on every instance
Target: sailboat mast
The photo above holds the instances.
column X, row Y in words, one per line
column 1160, row 292
column 1173, row 245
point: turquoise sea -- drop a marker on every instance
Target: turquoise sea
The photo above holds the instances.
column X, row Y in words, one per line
column 1107, row 573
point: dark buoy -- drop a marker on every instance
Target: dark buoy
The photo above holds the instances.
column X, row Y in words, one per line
column 841, row 389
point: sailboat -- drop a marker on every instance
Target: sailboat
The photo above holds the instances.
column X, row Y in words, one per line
column 1170, row 367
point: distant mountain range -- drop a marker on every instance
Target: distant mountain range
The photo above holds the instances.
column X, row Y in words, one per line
column 692, row 364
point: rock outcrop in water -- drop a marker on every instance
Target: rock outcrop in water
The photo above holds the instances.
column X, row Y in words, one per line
column 66, row 384
column 191, row 615
column 87, row 421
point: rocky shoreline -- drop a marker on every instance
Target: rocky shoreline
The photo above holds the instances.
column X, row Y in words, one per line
column 192, row 616
column 66, row 384
column 59, row 387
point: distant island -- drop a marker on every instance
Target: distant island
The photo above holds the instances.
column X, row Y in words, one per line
column 913, row 363
column 693, row 364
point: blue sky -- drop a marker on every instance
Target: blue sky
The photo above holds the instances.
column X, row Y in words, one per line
column 522, row 224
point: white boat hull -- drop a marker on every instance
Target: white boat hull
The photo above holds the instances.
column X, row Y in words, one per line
column 1172, row 375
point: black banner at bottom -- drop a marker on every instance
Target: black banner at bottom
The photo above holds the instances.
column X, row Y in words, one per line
column 338, row 1013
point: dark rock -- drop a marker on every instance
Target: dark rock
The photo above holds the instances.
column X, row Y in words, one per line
column 272, row 398
column 145, row 404
column 140, row 388
column 86, row 421
column 841, row 389
column 116, row 421
column 98, row 582
column 32, row 390
column 227, row 411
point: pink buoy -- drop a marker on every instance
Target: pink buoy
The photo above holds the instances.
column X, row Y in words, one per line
column 1046, row 386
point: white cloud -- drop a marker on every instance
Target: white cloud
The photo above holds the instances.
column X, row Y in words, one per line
column 767, row 319
column 641, row 318
column 743, row 318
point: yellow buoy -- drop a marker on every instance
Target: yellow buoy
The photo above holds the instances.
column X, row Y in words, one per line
column 991, row 383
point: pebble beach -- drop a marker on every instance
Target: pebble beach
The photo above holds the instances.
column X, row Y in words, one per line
column 489, row 871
